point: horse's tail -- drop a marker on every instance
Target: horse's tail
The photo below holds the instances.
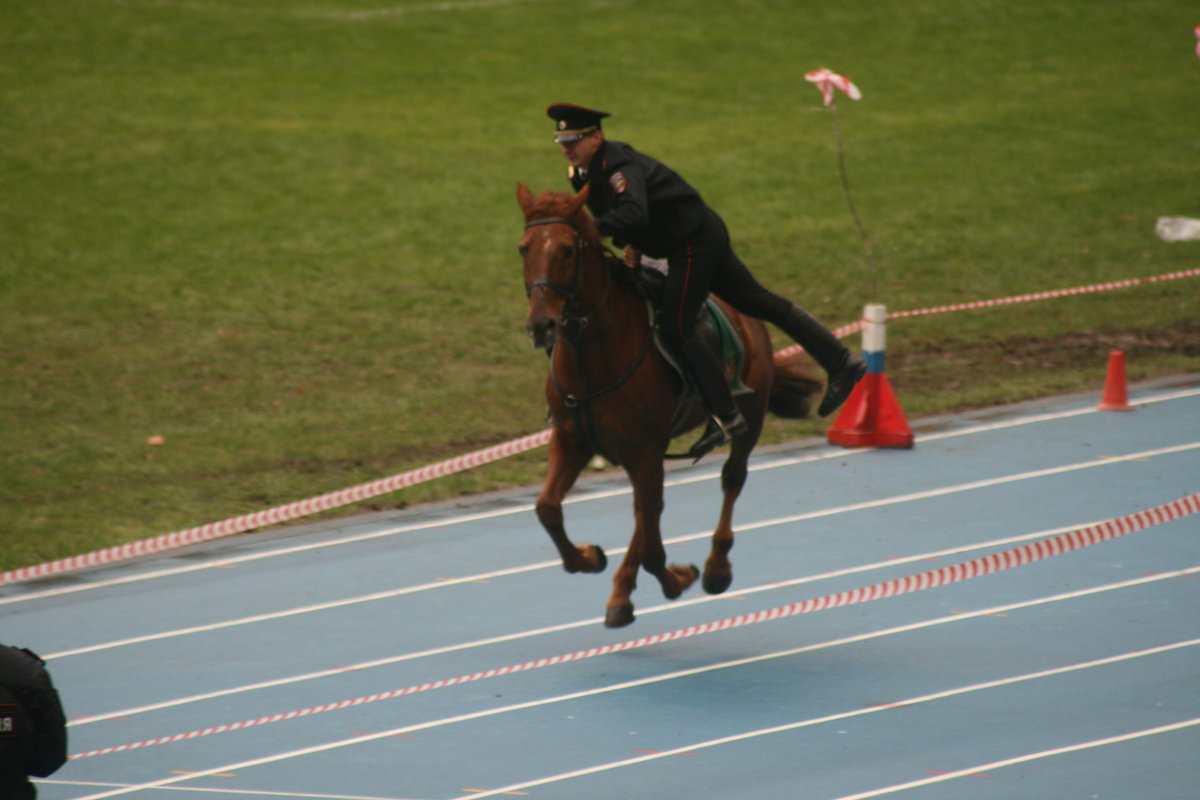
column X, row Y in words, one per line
column 794, row 391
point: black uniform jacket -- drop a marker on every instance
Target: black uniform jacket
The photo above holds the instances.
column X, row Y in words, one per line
column 33, row 735
column 640, row 201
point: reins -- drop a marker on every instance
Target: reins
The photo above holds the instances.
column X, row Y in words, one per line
column 570, row 294
column 580, row 404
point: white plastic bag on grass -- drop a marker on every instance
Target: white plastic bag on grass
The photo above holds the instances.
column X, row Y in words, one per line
column 1178, row 229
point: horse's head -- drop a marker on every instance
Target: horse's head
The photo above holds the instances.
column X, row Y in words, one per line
column 554, row 249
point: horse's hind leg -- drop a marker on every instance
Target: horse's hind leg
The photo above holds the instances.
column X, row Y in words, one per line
column 718, row 572
column 566, row 460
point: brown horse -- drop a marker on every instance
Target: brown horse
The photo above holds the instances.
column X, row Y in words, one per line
column 609, row 392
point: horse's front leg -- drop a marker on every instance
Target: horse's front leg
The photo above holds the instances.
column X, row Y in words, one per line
column 567, row 459
column 646, row 547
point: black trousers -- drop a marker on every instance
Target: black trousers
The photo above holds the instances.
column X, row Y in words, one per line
column 15, row 786
column 706, row 263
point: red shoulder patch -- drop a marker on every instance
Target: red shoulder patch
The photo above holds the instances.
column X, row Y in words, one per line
column 618, row 182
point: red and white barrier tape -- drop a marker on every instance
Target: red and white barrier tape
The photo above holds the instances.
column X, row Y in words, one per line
column 278, row 514
column 1035, row 551
column 1025, row 298
column 365, row 491
column 854, row 327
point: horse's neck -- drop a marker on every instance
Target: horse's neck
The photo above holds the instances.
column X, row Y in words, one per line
column 617, row 319
column 618, row 302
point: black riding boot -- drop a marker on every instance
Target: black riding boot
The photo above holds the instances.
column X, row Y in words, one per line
column 844, row 367
column 727, row 421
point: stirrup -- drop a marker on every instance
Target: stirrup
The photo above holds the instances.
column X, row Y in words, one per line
column 718, row 433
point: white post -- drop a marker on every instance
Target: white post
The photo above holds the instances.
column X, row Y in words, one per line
column 874, row 336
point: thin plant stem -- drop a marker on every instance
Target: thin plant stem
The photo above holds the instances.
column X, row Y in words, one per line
column 870, row 245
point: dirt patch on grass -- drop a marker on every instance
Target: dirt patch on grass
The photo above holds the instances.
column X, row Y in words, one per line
column 946, row 366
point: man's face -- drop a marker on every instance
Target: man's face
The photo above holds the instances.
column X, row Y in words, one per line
column 579, row 152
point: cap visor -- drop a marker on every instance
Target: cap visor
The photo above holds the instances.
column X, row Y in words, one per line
column 567, row 138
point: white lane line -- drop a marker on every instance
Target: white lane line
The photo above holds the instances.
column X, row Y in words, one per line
column 214, row 790
column 956, row 617
column 1008, row 762
column 700, row 670
column 742, row 528
column 877, row 793
column 528, row 507
column 527, row 634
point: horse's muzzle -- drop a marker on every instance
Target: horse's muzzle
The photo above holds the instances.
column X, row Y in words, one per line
column 543, row 331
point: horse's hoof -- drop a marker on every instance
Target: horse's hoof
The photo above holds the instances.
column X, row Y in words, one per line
column 717, row 584
column 601, row 559
column 588, row 562
column 619, row 616
column 679, row 579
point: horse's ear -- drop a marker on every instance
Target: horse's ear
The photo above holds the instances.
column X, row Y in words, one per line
column 524, row 197
column 578, row 200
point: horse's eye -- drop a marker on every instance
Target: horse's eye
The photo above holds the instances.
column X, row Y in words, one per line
column 522, row 248
column 568, row 252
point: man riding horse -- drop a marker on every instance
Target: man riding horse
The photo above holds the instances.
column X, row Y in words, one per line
column 647, row 208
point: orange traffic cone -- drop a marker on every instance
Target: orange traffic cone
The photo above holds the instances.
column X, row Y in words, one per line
column 872, row 416
column 1116, row 397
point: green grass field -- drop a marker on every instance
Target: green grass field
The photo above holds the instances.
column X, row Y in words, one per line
column 281, row 235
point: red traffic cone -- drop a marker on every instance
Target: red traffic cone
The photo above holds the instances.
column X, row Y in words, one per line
column 1116, row 397
column 872, row 416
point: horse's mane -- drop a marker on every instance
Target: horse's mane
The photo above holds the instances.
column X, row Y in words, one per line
column 556, row 204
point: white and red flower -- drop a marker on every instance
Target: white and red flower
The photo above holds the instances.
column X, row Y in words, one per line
column 827, row 81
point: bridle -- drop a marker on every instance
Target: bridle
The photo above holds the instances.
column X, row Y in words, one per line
column 569, row 294
column 580, row 404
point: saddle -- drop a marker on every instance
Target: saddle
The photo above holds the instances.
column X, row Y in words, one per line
column 713, row 328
